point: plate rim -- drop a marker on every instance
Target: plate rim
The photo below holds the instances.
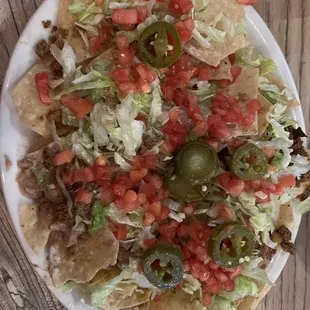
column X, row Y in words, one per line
column 278, row 263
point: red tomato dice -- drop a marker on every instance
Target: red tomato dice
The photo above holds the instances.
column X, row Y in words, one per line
column 148, row 219
column 180, row 6
column 63, row 157
column 121, row 233
column 131, row 196
column 79, row 106
column 107, row 195
column 224, row 212
column 84, row 196
column 125, row 57
column 253, row 106
column 120, row 75
column 142, row 13
column 43, row 87
column 201, row 128
column 287, row 180
column 96, row 43
column 138, row 175
column 235, row 71
column 204, row 74
column 125, row 16
column 121, row 42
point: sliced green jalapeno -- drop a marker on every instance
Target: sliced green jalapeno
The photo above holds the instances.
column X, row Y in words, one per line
column 196, row 162
column 249, row 162
column 153, row 45
column 163, row 265
column 231, row 244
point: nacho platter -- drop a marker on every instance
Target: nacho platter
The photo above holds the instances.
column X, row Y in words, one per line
column 128, row 292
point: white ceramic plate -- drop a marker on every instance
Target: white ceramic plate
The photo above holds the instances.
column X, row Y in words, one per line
column 14, row 137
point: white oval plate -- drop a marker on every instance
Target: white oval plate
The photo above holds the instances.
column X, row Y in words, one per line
column 14, row 137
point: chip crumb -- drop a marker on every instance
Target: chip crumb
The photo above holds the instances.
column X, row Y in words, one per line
column 7, row 162
column 46, row 24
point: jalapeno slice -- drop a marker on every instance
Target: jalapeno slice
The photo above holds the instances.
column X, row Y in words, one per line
column 196, row 162
column 249, row 162
column 153, row 45
column 230, row 244
column 184, row 191
column 163, row 265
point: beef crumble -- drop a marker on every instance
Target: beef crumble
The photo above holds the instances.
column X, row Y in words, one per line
column 46, row 24
column 267, row 252
column 43, row 49
column 305, row 194
column 56, row 69
column 296, row 135
column 286, row 243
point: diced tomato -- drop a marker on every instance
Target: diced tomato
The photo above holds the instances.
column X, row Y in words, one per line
column 43, row 87
column 96, row 43
column 199, row 232
column 214, row 285
column 206, row 298
column 101, row 160
column 104, row 174
column 63, row 157
column 121, row 232
column 155, row 180
column 120, row 75
column 185, row 252
column 167, row 231
column 156, row 298
column 204, row 74
column 68, row 177
column 149, row 160
column 180, row 6
column 236, row 187
column 213, row 266
column 148, row 189
column 181, row 64
column 221, row 276
column 127, row 88
column 166, row 148
column 224, row 212
column 107, row 195
column 223, row 180
column 253, row 106
column 180, row 79
column 185, row 28
column 164, row 213
column 173, row 115
column 217, row 128
column 119, row 189
column 148, row 219
column 235, row 273
column 167, row 91
column 122, row 42
column 131, row 196
column 125, row 16
column 143, row 72
column 138, row 175
column 229, row 285
column 189, row 23
column 223, row 83
column 235, row 71
column 247, row 2
column 247, row 120
column 176, row 133
column 79, row 106
column 142, row 13
column 278, row 190
column 182, row 230
column 149, row 242
column 125, row 57
column 155, row 208
column 232, row 58
column 201, row 128
column 287, row 180
column 84, row 196
column 213, row 143
column 85, row 174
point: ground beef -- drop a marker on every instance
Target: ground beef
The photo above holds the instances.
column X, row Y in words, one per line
column 62, row 215
column 56, row 69
column 288, row 247
column 63, row 33
column 43, row 49
column 305, row 194
column 296, row 135
column 267, row 252
column 304, row 178
column 285, row 233
column 46, row 23
column 28, row 185
column 54, row 29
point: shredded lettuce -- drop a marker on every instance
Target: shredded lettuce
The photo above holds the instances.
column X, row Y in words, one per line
column 156, row 105
column 205, row 92
column 248, row 203
column 79, row 225
column 303, row 206
column 204, row 42
column 190, row 284
column 243, row 287
column 67, row 59
column 142, row 102
column 299, row 165
column 251, row 57
column 98, row 216
column 119, row 160
column 251, row 270
column 132, row 130
column 119, row 217
column 220, row 303
column 277, row 160
column 98, row 127
column 77, row 7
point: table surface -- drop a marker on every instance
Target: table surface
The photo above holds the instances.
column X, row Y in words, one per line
column 289, row 21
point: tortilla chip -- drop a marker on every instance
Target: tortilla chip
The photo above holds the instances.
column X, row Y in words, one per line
column 245, row 88
column 223, row 72
column 261, row 117
column 81, row 262
column 65, row 20
column 178, row 300
column 32, row 113
column 108, row 58
column 117, row 300
column 250, row 303
column 218, row 51
column 36, row 230
column 104, row 275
